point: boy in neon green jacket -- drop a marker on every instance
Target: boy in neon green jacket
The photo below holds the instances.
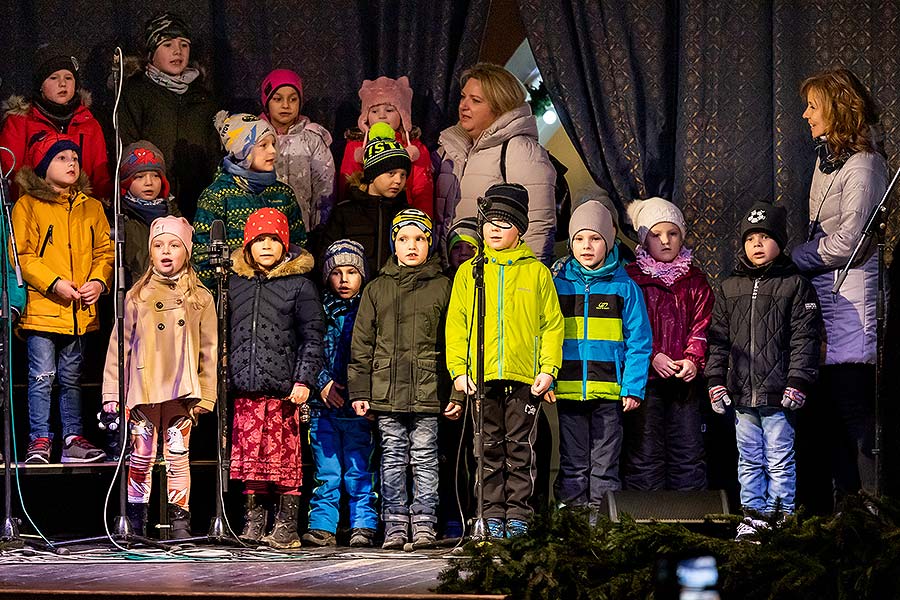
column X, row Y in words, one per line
column 523, row 353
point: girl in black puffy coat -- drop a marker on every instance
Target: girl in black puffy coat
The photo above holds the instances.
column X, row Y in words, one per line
column 277, row 327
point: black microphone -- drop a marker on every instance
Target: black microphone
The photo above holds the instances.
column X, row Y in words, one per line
column 217, row 232
column 217, row 243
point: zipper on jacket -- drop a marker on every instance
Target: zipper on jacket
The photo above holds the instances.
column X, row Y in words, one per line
column 46, row 240
column 253, row 333
column 380, row 240
column 584, row 369
column 393, row 389
column 72, row 263
column 753, row 341
column 500, row 323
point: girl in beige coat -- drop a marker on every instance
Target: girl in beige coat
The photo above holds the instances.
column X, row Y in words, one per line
column 170, row 369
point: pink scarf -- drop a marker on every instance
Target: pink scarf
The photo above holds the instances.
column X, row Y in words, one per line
column 668, row 272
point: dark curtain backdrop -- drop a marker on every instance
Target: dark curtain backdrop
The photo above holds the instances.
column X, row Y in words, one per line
column 332, row 44
column 697, row 100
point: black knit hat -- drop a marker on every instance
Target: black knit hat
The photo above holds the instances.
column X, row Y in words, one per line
column 383, row 153
column 48, row 59
column 162, row 27
column 508, row 202
column 768, row 218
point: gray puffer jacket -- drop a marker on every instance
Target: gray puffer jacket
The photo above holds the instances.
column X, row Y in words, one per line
column 468, row 169
column 842, row 201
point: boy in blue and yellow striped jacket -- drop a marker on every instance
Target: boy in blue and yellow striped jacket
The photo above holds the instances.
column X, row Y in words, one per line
column 606, row 357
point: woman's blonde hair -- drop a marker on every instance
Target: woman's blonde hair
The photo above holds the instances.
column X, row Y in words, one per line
column 847, row 107
column 502, row 91
column 194, row 284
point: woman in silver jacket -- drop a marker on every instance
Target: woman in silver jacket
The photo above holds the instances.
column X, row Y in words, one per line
column 848, row 182
column 493, row 111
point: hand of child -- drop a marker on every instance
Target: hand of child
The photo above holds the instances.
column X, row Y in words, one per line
column 331, row 394
column 111, row 407
column 90, row 292
column 66, row 290
column 453, row 411
column 299, row 394
column 687, row 369
column 464, row 384
column 665, row 366
column 550, row 397
column 719, row 398
column 541, row 384
column 361, row 407
column 196, row 411
column 793, row 399
column 630, row 403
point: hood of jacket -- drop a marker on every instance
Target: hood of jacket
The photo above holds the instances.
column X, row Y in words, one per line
column 782, row 266
column 508, row 256
column 301, row 263
column 430, row 269
column 577, row 272
column 20, row 105
column 518, row 121
column 37, row 187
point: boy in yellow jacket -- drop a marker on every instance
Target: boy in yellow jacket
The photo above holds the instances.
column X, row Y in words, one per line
column 523, row 353
column 67, row 261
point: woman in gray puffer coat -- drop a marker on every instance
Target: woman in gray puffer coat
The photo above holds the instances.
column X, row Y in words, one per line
column 493, row 114
column 849, row 180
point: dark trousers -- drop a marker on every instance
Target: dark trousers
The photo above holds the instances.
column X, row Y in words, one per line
column 664, row 440
column 847, row 393
column 590, row 441
column 510, row 429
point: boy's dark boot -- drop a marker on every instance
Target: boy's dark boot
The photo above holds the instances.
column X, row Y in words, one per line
column 137, row 516
column 179, row 523
column 254, row 519
column 284, row 532
column 423, row 529
column 396, row 532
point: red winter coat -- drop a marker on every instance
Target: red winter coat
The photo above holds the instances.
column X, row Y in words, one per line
column 22, row 121
column 419, row 185
column 679, row 314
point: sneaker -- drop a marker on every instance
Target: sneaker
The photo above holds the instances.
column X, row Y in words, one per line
column 79, row 450
column 38, row 451
column 516, row 528
column 362, row 537
column 320, row 538
column 495, row 528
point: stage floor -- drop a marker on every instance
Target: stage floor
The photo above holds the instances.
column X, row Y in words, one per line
column 214, row 572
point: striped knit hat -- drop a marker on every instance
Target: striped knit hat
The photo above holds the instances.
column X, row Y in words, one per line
column 412, row 216
column 508, row 202
column 383, row 153
column 344, row 253
column 464, row 230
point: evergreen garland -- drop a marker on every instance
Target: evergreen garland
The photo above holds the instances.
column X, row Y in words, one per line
column 854, row 555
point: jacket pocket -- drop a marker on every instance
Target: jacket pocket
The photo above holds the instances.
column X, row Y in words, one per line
column 620, row 359
column 47, row 240
column 381, row 379
column 426, row 381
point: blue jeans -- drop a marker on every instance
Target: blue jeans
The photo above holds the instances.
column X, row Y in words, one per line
column 342, row 450
column 409, row 439
column 766, row 466
column 54, row 356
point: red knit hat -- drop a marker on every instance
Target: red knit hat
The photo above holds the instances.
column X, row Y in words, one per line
column 45, row 145
column 267, row 221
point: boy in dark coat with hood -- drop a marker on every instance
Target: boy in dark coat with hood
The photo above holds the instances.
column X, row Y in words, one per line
column 764, row 353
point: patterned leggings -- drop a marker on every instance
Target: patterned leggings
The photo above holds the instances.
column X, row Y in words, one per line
column 146, row 421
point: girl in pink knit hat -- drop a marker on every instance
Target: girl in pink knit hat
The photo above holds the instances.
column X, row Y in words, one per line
column 390, row 101
column 304, row 159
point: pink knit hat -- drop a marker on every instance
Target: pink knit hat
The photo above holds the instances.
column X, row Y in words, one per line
column 385, row 90
column 277, row 79
column 177, row 226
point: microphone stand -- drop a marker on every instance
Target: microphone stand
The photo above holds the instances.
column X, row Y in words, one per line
column 874, row 228
column 479, row 528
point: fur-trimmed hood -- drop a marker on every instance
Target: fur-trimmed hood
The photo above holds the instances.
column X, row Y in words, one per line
column 29, row 183
column 20, row 105
column 301, row 263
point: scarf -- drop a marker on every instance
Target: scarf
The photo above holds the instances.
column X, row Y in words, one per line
column 58, row 114
column 146, row 210
column 174, row 83
column 828, row 162
column 253, row 181
column 668, row 272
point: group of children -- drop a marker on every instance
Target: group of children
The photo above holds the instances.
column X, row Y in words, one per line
column 392, row 354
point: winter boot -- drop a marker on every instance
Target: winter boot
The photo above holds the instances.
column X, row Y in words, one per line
column 320, row 538
column 284, row 532
column 137, row 516
column 362, row 537
column 179, row 523
column 423, row 529
column 396, row 532
column 254, row 519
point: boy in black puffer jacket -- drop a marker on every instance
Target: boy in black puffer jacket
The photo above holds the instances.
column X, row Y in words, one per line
column 764, row 352
column 277, row 326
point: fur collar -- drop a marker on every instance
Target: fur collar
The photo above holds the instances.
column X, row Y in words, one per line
column 31, row 184
column 301, row 264
column 20, row 105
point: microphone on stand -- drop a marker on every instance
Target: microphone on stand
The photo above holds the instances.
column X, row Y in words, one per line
column 217, row 244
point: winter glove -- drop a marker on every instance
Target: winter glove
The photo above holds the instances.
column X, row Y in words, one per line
column 719, row 398
column 793, row 399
